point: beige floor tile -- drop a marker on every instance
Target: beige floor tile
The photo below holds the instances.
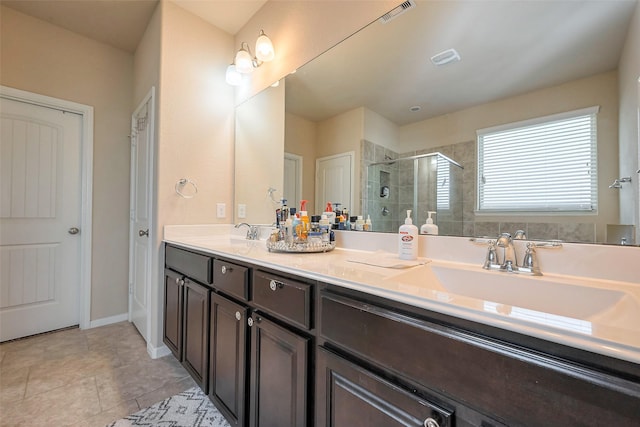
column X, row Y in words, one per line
column 83, row 377
column 63, row 406
column 55, row 373
column 13, row 384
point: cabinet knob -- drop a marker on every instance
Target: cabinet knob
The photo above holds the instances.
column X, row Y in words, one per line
column 224, row 269
column 238, row 315
column 273, row 285
column 177, row 280
column 430, row 422
column 250, row 321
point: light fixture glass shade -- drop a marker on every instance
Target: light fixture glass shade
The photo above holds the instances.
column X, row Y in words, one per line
column 264, row 48
column 233, row 77
column 244, row 62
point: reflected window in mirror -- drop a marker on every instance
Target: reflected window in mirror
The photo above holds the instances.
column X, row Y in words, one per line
column 547, row 164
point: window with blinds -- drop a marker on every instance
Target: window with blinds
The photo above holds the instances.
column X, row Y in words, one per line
column 546, row 164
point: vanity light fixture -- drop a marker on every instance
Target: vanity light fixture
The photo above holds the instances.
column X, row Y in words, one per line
column 245, row 62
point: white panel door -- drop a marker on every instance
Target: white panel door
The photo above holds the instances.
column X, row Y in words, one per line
column 140, row 243
column 40, row 203
column 334, row 180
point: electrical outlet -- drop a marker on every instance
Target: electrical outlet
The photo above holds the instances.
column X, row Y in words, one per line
column 242, row 210
column 221, row 209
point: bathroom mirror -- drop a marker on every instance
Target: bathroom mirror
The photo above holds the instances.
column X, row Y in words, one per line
column 517, row 61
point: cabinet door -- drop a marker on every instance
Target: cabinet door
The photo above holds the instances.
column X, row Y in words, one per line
column 279, row 363
column 228, row 367
column 196, row 332
column 172, row 335
column 348, row 395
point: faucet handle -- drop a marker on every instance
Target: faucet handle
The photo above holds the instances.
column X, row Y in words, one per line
column 530, row 260
column 520, row 235
column 492, row 256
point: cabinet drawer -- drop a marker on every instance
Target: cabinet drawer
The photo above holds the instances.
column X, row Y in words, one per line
column 231, row 278
column 349, row 395
column 190, row 264
column 285, row 298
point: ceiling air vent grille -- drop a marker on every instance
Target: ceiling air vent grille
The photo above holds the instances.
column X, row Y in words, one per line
column 394, row 13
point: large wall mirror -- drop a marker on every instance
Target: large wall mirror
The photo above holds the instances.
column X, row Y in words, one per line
column 379, row 95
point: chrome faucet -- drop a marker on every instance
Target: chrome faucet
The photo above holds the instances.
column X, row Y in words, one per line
column 253, row 231
column 509, row 261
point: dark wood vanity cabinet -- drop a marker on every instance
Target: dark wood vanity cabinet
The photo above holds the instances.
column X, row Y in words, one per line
column 186, row 309
column 173, row 292
column 279, row 375
column 471, row 374
column 195, row 338
column 275, row 349
column 228, row 358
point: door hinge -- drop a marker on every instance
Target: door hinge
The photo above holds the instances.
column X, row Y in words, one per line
column 130, row 288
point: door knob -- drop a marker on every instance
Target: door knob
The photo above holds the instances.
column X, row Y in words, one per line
column 143, row 232
column 74, row 230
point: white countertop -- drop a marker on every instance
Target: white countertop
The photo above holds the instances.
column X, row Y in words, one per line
column 614, row 333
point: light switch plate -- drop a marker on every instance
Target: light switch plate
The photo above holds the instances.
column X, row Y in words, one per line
column 221, row 210
column 242, row 210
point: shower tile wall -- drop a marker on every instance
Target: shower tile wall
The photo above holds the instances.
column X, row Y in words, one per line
column 371, row 182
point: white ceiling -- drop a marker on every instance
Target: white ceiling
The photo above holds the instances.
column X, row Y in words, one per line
column 507, row 48
column 121, row 23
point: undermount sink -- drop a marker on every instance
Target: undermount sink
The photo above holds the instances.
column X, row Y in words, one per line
column 508, row 290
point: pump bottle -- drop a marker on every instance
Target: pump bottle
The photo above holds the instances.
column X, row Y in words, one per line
column 429, row 227
column 408, row 239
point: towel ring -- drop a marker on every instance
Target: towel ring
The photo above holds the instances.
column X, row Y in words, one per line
column 181, row 184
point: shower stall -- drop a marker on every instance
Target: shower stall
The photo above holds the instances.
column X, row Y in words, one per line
column 422, row 183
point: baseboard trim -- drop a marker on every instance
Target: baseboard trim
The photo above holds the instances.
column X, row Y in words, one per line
column 158, row 352
column 108, row 320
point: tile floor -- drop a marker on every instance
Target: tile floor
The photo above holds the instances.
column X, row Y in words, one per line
column 79, row 377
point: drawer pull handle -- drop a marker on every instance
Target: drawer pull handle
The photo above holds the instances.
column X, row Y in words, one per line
column 430, row 422
column 238, row 315
column 273, row 285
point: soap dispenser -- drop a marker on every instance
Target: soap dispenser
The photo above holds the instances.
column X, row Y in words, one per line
column 408, row 239
column 429, row 227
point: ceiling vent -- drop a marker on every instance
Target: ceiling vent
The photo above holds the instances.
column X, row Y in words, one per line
column 445, row 57
column 394, row 13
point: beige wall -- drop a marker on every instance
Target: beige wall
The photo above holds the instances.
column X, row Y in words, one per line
column 259, row 163
column 302, row 30
column 380, row 130
column 629, row 87
column 300, row 139
column 341, row 134
column 45, row 59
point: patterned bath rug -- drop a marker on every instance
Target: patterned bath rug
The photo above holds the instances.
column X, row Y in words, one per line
column 191, row 408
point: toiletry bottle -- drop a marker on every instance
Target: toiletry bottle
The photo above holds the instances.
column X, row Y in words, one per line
column 325, row 228
column 408, row 239
column 284, row 211
column 368, row 226
column 331, row 215
column 429, row 227
column 359, row 223
column 304, row 220
column 288, row 231
column 353, row 223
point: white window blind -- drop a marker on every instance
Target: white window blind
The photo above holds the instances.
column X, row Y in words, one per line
column 544, row 164
column 443, row 185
